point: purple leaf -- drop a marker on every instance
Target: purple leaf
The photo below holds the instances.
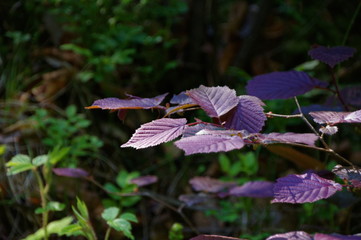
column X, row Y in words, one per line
column 304, row 138
column 193, row 199
column 71, row 172
column 133, row 103
column 332, row 118
column 331, row 55
column 352, row 95
column 208, row 184
column 297, row 235
column 282, row 85
column 144, row 180
column 156, row 132
column 256, row 189
column 193, row 130
column 308, row 187
column 350, row 174
column 181, row 99
column 213, row 237
column 335, row 236
column 329, row 130
column 209, row 143
column 216, row 101
column 248, row 115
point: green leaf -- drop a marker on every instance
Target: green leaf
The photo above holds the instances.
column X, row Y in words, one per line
column 70, row 111
column 51, row 206
column 55, row 227
column 18, row 164
column 82, row 208
column 72, row 230
column 40, row 160
column 110, row 213
column 120, row 224
column 224, row 162
column 129, row 217
column 58, row 154
column 2, row 149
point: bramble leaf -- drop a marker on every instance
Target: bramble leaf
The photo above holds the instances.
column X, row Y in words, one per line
column 308, row 187
column 19, row 163
column 110, row 213
column 296, row 235
column 282, row 85
column 208, row 184
column 156, row 132
column 209, row 143
column 256, row 189
column 216, row 101
column 132, row 103
column 248, row 115
column 331, row 55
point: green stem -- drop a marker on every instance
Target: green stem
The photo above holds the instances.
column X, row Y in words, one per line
column 351, row 23
column 43, row 197
column 107, row 234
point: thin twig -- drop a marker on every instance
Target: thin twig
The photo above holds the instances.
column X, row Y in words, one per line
column 338, row 94
column 270, row 114
column 327, row 147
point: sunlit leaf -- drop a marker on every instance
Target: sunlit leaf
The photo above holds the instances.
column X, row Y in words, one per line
column 54, row 227
column 129, row 217
column 193, row 130
column 256, row 189
column 289, row 137
column 282, row 85
column 110, row 213
column 308, row 187
column 335, row 236
column 133, row 103
column 209, row 143
column 208, row 184
column 332, row 118
column 40, row 160
column 181, row 99
column 331, row 55
column 296, row 235
column 248, row 115
column 19, row 163
column 216, row 101
column 156, row 132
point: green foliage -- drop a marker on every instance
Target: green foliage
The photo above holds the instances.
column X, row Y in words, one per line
column 120, row 223
column 176, row 232
column 67, row 133
column 56, row 227
column 51, row 206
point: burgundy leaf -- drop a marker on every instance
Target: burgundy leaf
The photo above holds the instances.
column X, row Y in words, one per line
column 352, row 95
column 133, row 103
column 213, row 237
column 256, row 189
column 144, row 180
column 209, row 143
column 122, row 113
column 351, row 174
column 331, row 55
column 156, row 132
column 297, row 235
column 282, row 85
column 308, row 187
column 248, row 115
column 193, row 130
column 208, row 184
column 193, row 199
column 332, row 118
column 181, row 99
column 71, row 172
column 304, row 138
column 335, row 236
column 216, row 101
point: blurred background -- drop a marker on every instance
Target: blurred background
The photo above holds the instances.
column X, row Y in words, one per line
column 58, row 56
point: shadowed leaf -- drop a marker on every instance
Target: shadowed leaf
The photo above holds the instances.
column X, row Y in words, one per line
column 193, row 199
column 216, row 101
column 156, row 132
column 282, row 85
column 209, row 143
column 144, row 180
column 353, row 175
column 213, row 237
column 71, row 172
column 181, row 99
column 256, row 189
column 248, row 115
column 296, row 235
column 331, row 55
column 308, row 187
column 208, row 184
column 133, row 103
